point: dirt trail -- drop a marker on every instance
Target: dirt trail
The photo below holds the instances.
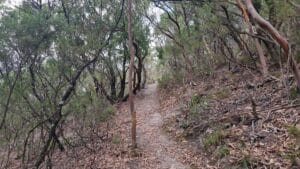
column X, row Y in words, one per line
column 154, row 142
column 156, row 150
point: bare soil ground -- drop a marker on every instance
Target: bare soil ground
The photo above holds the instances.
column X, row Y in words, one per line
column 163, row 151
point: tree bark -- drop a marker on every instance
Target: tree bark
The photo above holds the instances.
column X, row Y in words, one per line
column 139, row 68
column 131, row 101
column 123, row 75
column 144, row 77
column 262, row 59
column 113, row 83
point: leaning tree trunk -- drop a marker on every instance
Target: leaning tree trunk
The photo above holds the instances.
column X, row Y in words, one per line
column 276, row 35
column 131, row 101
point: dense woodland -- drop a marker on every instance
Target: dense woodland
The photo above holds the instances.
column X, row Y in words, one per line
column 66, row 66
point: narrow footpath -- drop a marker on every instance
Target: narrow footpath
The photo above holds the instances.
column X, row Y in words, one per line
column 154, row 142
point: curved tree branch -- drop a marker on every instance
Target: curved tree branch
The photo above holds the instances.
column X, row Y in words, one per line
column 281, row 40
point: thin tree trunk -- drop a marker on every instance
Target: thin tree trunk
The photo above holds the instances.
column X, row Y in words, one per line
column 262, row 59
column 134, row 81
column 123, row 76
column 131, row 101
column 144, row 77
column 113, row 87
column 139, row 68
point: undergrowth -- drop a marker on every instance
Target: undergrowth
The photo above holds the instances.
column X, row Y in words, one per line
column 169, row 80
column 213, row 139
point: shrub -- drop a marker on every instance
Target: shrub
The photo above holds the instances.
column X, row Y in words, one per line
column 223, row 151
column 294, row 131
column 197, row 106
column 293, row 155
column 169, row 79
column 294, row 93
column 116, row 139
column 196, row 99
column 164, row 81
column 213, row 139
column 222, row 93
column 106, row 113
column 247, row 162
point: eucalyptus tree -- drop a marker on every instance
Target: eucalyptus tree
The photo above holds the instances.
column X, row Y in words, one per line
column 46, row 52
column 214, row 31
column 62, row 61
column 249, row 10
column 187, row 28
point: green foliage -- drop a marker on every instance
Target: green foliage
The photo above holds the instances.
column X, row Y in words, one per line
column 44, row 55
column 106, row 113
column 116, row 139
column 222, row 93
column 185, row 124
column 223, row 151
column 294, row 151
column 89, row 108
column 197, row 106
column 247, row 162
column 168, row 80
column 294, row 93
column 185, row 38
column 293, row 130
column 213, row 139
column 293, row 155
column 160, row 53
column 246, row 60
column 196, row 99
column 164, row 81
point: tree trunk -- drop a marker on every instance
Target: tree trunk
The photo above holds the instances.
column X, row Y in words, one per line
column 276, row 35
column 134, row 81
column 144, row 77
column 231, row 29
column 131, row 101
column 123, row 76
column 99, row 87
column 262, row 59
column 139, row 68
column 113, row 87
